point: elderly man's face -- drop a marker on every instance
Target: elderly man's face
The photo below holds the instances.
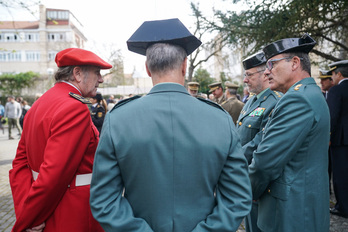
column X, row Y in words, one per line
column 91, row 81
column 253, row 79
column 279, row 76
column 218, row 92
column 193, row 93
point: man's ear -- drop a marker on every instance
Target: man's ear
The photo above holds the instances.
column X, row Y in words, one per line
column 147, row 69
column 184, row 67
column 77, row 73
column 296, row 62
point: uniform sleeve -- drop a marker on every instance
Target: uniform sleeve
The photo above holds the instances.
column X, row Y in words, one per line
column 251, row 146
column 233, row 193
column 64, row 151
column 108, row 206
column 288, row 128
column 334, row 103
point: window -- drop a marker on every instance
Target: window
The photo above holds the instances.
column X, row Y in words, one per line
column 59, row 15
column 10, row 37
column 51, row 55
column 32, row 56
column 32, row 37
column 56, row 36
column 7, row 56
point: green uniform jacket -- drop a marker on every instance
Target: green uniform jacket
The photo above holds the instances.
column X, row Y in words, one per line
column 177, row 176
column 288, row 172
column 253, row 119
column 233, row 106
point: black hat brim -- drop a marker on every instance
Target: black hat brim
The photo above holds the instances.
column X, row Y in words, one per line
column 170, row 31
column 254, row 60
column 304, row 44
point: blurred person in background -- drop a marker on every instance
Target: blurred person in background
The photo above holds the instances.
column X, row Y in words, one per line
column 25, row 108
column 338, row 105
column 2, row 114
column 12, row 112
column 98, row 110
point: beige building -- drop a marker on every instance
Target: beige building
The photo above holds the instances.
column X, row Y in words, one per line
column 32, row 45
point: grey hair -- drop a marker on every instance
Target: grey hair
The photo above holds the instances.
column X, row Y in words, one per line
column 261, row 67
column 66, row 73
column 305, row 61
column 163, row 57
column 232, row 91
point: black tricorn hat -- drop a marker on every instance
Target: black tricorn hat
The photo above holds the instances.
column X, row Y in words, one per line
column 162, row 31
column 254, row 60
column 303, row 44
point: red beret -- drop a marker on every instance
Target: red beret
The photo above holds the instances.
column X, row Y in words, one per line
column 77, row 56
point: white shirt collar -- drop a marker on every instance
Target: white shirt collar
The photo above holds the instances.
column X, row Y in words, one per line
column 344, row 79
column 72, row 86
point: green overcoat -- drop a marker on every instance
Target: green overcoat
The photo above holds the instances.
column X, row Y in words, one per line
column 288, row 172
column 169, row 162
column 253, row 118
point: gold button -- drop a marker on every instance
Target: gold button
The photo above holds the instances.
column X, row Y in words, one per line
column 249, row 126
column 240, row 123
column 269, row 190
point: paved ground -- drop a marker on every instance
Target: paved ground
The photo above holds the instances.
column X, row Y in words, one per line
column 7, row 217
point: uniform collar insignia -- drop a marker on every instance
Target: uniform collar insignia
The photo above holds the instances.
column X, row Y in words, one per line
column 80, row 98
column 297, row 87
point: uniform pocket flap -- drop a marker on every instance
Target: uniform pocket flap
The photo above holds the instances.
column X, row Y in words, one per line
column 279, row 190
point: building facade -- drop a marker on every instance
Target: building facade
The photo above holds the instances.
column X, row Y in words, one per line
column 32, row 45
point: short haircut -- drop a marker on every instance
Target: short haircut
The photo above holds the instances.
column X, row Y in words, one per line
column 66, row 73
column 305, row 61
column 342, row 70
column 261, row 67
column 232, row 91
column 163, row 57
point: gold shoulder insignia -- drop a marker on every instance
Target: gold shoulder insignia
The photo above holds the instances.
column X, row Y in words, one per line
column 278, row 95
column 297, row 87
column 80, row 98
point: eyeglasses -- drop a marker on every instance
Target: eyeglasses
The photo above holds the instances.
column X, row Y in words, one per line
column 251, row 74
column 270, row 63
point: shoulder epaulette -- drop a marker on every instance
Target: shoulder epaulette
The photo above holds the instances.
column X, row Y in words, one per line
column 297, row 87
column 277, row 93
column 211, row 103
column 125, row 101
column 80, row 98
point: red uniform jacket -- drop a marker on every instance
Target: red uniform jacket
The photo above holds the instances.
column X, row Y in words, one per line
column 58, row 141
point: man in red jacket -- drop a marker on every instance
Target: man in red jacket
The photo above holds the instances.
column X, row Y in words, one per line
column 50, row 179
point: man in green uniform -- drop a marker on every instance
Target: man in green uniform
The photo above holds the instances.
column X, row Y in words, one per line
column 155, row 169
column 288, row 171
column 254, row 116
column 218, row 92
column 232, row 105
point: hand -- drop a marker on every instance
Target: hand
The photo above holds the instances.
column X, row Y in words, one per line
column 38, row 228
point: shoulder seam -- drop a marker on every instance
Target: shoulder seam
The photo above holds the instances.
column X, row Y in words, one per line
column 125, row 101
column 211, row 103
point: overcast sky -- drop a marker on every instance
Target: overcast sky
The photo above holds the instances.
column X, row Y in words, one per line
column 113, row 22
